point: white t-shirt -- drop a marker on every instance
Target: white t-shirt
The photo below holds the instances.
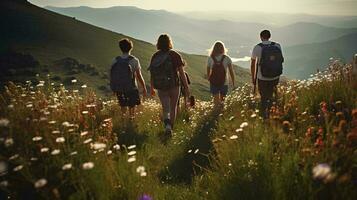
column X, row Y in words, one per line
column 257, row 54
column 133, row 63
column 226, row 62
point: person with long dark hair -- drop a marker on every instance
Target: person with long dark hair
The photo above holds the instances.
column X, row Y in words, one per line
column 166, row 70
column 219, row 65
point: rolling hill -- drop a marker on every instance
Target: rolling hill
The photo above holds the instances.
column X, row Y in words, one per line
column 49, row 37
column 196, row 35
column 306, row 45
column 303, row 60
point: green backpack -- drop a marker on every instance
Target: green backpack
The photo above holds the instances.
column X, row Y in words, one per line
column 163, row 74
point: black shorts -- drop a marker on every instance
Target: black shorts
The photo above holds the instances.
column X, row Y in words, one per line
column 129, row 98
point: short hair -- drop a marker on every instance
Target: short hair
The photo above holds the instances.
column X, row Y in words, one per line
column 265, row 34
column 126, row 45
column 164, row 43
column 218, row 48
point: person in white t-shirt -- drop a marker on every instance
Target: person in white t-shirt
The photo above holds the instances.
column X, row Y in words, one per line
column 266, row 85
column 130, row 98
column 219, row 65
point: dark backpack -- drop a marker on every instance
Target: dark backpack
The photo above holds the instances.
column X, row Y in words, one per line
column 271, row 61
column 218, row 74
column 163, row 74
column 122, row 77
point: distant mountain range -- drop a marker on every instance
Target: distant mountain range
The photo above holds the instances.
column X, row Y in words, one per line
column 197, row 35
column 52, row 38
column 275, row 19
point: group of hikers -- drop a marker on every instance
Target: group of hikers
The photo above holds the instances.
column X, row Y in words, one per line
column 169, row 79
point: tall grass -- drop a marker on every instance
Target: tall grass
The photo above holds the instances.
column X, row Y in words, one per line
column 69, row 144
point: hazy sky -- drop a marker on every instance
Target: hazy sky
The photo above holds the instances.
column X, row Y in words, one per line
column 326, row 7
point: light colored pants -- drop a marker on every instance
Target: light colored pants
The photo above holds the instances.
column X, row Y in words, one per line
column 169, row 99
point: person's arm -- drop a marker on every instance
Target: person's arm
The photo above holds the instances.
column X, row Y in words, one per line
column 140, row 79
column 252, row 69
column 208, row 72
column 231, row 73
column 152, row 91
column 184, row 81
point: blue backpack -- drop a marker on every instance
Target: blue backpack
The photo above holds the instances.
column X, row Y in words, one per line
column 271, row 61
column 122, row 78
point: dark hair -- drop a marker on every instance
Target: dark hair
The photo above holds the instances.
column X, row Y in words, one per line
column 265, row 34
column 218, row 48
column 126, row 45
column 164, row 43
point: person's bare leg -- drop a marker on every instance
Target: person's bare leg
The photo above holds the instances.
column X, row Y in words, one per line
column 132, row 113
column 174, row 97
column 216, row 99
column 123, row 111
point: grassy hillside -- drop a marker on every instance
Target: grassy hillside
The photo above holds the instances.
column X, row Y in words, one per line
column 50, row 36
column 303, row 60
column 58, row 144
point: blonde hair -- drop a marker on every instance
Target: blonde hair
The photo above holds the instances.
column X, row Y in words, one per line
column 217, row 49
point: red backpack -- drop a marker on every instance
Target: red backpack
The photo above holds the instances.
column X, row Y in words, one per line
column 218, row 74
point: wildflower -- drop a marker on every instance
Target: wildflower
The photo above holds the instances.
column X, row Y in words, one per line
column 33, row 159
column 66, row 124
column 3, row 168
column 9, row 142
column 132, row 159
column 196, row 151
column 116, row 147
column 286, row 126
column 244, row 124
column 145, row 197
column 131, row 153
column 84, row 86
column 84, row 133
column 52, row 122
column 84, row 112
column 189, row 151
column 88, row 165
column 109, row 152
column 60, row 139
column 14, row 157
column 231, row 118
column 56, row 132
column 4, row 122
column 74, row 80
column 253, row 115
column 37, row 138
column 73, row 153
column 44, row 150
column 233, row 137
column 67, row 166
column 4, row 183
column 239, row 130
column 140, row 169
column 98, row 146
column 323, row 172
column 131, row 147
column 88, row 141
column 40, row 183
column 55, row 152
column 18, row 168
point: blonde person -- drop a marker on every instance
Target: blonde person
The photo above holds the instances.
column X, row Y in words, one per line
column 219, row 68
column 166, row 70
